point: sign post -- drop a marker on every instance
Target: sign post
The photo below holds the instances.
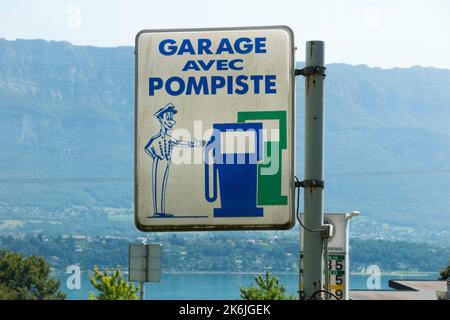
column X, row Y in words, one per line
column 214, row 129
column 313, row 184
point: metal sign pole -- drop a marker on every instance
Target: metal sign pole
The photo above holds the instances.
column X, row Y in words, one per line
column 142, row 290
column 144, row 266
column 313, row 194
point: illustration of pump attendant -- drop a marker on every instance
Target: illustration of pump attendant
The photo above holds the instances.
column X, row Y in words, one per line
column 159, row 148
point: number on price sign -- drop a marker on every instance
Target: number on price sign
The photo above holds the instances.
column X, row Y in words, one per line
column 336, row 266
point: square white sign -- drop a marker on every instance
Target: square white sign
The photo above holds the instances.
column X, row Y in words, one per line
column 194, row 88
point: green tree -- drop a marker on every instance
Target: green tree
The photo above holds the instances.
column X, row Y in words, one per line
column 445, row 273
column 28, row 278
column 269, row 288
column 111, row 286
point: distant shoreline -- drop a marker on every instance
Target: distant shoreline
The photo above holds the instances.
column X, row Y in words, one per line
column 276, row 273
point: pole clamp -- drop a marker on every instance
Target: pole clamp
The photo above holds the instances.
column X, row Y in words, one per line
column 313, row 183
column 311, row 70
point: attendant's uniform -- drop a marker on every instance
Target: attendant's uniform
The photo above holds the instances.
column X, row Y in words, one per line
column 160, row 149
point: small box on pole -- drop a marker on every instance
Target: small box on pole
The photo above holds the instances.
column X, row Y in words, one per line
column 144, row 263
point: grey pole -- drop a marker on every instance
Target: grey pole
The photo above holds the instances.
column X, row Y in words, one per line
column 313, row 195
column 144, row 266
column 142, row 291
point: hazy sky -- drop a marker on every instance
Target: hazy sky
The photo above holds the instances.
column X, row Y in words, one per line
column 391, row 33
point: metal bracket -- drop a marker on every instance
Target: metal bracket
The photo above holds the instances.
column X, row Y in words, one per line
column 313, row 183
column 311, row 70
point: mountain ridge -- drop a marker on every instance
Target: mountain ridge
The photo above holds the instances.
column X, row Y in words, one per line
column 68, row 112
column 132, row 47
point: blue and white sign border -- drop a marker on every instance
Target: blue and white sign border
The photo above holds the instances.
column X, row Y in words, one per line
column 221, row 224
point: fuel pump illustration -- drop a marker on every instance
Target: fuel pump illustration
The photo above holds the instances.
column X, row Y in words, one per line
column 234, row 175
column 159, row 148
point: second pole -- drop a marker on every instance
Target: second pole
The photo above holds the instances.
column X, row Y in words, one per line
column 313, row 175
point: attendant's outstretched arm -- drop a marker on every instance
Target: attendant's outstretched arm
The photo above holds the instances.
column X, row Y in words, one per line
column 188, row 143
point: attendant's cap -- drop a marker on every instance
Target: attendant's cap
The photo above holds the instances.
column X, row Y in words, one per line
column 167, row 108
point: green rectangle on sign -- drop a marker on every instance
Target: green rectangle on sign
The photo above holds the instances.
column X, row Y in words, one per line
column 337, row 257
column 336, row 272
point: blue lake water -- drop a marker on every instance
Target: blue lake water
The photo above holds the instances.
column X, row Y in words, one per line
column 209, row 286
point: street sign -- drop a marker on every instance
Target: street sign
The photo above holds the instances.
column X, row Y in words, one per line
column 214, row 130
column 338, row 253
column 144, row 263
